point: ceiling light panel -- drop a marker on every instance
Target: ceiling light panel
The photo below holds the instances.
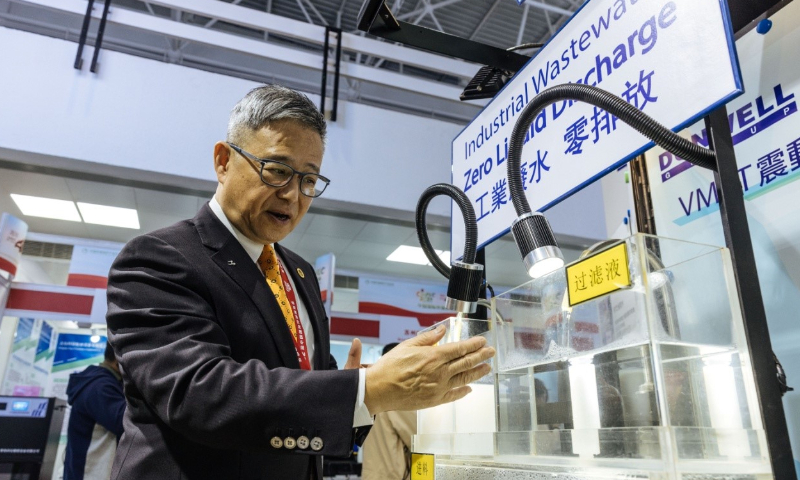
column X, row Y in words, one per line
column 415, row 255
column 408, row 254
column 110, row 216
column 46, row 207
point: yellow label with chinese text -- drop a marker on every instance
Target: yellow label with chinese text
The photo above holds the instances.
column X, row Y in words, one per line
column 421, row 466
column 602, row 273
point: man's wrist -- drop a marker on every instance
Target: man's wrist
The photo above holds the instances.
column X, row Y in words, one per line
column 371, row 393
column 361, row 415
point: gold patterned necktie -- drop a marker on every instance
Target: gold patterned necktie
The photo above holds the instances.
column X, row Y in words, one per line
column 268, row 262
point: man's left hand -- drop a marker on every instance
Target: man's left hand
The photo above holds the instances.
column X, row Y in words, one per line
column 354, row 356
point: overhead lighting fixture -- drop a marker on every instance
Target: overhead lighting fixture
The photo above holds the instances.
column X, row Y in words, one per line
column 110, row 216
column 415, row 255
column 46, row 207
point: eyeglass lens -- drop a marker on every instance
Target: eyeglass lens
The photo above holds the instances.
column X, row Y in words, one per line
column 278, row 175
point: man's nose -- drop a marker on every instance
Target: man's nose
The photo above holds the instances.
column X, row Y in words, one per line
column 292, row 188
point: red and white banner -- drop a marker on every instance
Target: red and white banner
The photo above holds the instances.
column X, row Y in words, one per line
column 396, row 329
column 12, row 236
column 424, row 302
column 54, row 302
column 90, row 265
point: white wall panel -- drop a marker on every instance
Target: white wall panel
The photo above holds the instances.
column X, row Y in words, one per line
column 162, row 118
column 165, row 118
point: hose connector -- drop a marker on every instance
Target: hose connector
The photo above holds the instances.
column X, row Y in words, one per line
column 463, row 290
column 537, row 244
column 466, row 278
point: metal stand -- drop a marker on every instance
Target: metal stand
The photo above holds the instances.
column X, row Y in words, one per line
column 738, row 241
column 324, row 90
column 99, row 40
column 85, row 32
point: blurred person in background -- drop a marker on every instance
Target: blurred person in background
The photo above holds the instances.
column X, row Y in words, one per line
column 95, row 422
column 387, row 450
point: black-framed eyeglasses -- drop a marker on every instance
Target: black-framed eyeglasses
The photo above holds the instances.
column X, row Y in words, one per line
column 279, row 174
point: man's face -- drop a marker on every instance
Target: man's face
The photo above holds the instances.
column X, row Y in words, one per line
column 263, row 213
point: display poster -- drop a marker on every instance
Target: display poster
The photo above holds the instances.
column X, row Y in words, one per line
column 659, row 56
column 89, row 266
column 75, row 350
column 395, row 329
column 325, row 267
column 73, row 353
column 43, row 360
column 20, row 378
column 404, row 307
column 12, row 237
column 766, row 132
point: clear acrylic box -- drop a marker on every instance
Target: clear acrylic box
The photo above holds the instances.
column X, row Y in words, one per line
column 465, row 427
column 651, row 381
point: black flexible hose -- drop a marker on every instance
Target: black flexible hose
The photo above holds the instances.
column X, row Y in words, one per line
column 471, row 225
column 614, row 105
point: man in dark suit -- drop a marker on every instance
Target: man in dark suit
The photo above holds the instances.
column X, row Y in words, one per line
column 221, row 334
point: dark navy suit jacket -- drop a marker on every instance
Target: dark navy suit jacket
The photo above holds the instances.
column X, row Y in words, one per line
column 208, row 363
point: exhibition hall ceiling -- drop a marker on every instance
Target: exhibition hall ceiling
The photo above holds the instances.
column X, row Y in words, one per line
column 360, row 245
column 265, row 40
column 281, row 41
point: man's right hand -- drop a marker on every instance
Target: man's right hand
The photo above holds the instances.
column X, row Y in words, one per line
column 416, row 374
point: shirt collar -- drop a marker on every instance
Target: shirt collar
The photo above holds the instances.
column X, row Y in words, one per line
column 252, row 248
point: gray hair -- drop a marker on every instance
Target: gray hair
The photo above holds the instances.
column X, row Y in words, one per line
column 271, row 103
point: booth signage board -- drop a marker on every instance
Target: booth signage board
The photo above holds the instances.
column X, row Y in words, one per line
column 20, row 377
column 397, row 328
column 422, row 466
column 12, row 237
column 387, row 297
column 672, row 59
column 602, row 273
column 89, row 266
column 74, row 350
column 765, row 126
column 325, row 268
column 43, row 360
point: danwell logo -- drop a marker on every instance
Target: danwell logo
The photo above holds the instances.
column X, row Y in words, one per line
column 747, row 121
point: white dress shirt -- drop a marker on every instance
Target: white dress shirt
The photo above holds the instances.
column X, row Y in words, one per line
column 361, row 415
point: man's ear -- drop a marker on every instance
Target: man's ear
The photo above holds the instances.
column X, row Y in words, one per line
column 222, row 155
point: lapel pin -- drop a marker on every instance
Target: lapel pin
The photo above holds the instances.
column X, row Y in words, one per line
column 231, row 262
column 300, row 272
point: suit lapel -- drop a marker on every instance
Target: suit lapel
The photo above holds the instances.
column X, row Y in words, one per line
column 231, row 257
column 311, row 300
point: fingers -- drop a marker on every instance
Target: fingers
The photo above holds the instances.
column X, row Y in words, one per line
column 354, row 356
column 453, row 351
column 427, row 338
column 470, row 360
column 456, row 394
column 468, row 376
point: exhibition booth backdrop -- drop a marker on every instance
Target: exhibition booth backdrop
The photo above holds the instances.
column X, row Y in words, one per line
column 766, row 135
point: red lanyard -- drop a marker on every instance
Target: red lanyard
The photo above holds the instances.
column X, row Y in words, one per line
column 300, row 339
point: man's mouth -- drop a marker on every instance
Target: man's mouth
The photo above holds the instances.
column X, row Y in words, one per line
column 281, row 216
